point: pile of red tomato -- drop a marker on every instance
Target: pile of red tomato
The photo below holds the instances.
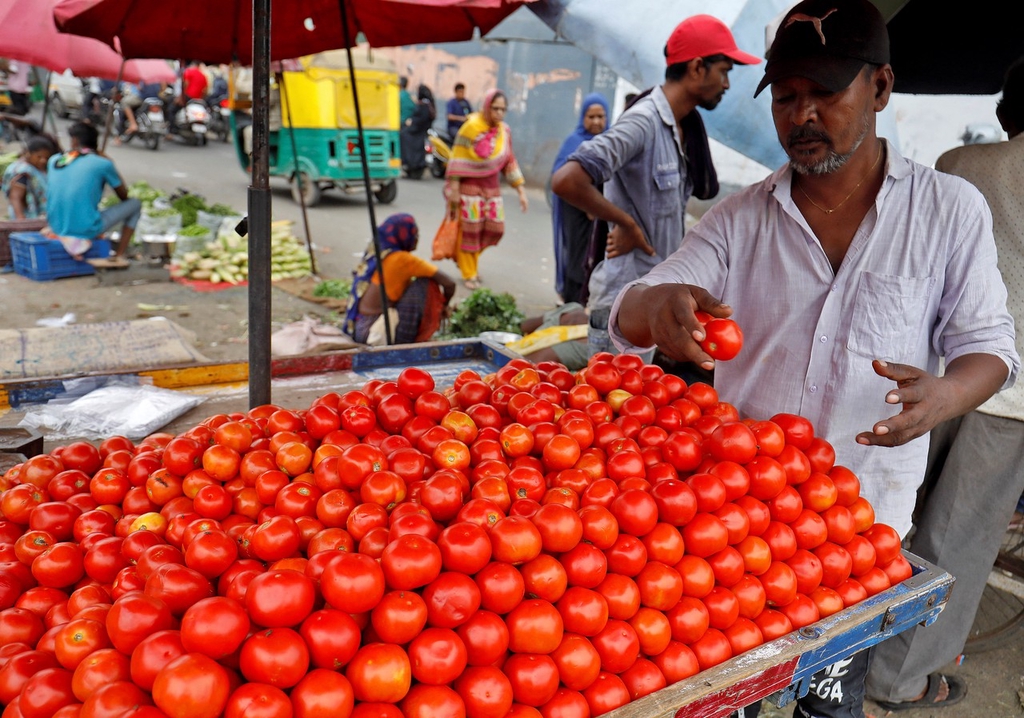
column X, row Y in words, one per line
column 533, row 543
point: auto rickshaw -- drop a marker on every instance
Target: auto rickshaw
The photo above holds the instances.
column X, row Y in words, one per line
column 312, row 107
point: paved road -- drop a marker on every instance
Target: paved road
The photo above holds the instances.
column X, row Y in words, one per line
column 522, row 264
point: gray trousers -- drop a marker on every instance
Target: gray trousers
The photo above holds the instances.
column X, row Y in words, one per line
column 975, row 477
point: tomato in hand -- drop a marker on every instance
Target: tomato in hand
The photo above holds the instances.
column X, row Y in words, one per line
column 722, row 339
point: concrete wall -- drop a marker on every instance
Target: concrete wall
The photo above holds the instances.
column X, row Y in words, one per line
column 545, row 81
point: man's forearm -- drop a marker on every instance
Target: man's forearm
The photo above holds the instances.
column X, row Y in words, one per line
column 572, row 184
column 633, row 318
column 973, row 379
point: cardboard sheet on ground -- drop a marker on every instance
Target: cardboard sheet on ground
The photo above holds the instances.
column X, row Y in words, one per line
column 303, row 287
column 103, row 347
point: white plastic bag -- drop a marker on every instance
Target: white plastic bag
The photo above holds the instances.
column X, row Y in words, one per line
column 117, row 409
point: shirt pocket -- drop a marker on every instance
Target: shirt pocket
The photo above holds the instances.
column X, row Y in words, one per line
column 665, row 197
column 887, row 316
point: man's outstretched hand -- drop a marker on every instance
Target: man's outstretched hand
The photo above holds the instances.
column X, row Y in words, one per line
column 925, row 403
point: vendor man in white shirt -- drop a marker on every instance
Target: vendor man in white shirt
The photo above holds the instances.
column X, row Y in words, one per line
column 852, row 272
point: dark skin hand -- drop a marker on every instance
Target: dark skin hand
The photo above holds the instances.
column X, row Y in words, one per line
column 664, row 315
column 572, row 183
column 928, row 400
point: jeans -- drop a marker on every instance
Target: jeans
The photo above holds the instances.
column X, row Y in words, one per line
column 126, row 212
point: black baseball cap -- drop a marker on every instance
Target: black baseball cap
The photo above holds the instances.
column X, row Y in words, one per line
column 827, row 41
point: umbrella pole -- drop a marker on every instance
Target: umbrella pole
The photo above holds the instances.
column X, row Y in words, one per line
column 110, row 108
column 46, row 100
column 366, row 172
column 298, row 173
column 259, row 211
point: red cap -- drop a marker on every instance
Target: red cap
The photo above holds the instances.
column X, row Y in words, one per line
column 703, row 36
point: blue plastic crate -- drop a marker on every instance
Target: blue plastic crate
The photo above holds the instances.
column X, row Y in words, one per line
column 42, row 259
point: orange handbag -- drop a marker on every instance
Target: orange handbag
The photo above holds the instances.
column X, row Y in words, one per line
column 447, row 239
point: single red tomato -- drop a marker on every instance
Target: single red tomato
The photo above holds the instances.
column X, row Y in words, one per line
column 215, row 626
column 192, row 686
column 380, row 672
column 722, row 339
column 324, row 693
column 332, row 636
column 280, row 598
column 277, row 656
column 153, row 653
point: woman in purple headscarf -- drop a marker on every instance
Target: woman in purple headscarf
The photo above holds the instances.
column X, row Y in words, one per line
column 572, row 227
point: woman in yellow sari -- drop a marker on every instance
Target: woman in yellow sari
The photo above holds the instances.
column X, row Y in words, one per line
column 482, row 151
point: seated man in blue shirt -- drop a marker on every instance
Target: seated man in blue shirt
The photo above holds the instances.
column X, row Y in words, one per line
column 76, row 180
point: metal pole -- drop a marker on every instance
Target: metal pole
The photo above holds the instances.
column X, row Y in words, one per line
column 259, row 210
column 46, row 100
column 298, row 172
column 366, row 170
column 110, row 107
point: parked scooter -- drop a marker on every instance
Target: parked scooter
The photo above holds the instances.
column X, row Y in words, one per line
column 192, row 122
column 220, row 121
column 149, row 116
column 438, row 151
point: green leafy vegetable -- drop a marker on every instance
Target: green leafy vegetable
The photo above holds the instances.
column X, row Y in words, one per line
column 162, row 212
column 222, row 210
column 194, row 230
column 189, row 205
column 484, row 311
column 336, row 288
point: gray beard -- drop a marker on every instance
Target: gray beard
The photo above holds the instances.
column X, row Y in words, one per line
column 832, row 162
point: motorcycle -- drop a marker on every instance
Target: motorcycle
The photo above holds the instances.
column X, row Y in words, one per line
column 149, row 116
column 192, row 122
column 220, row 121
column 438, row 151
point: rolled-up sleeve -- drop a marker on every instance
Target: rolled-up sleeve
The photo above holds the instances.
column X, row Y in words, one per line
column 973, row 314
column 606, row 153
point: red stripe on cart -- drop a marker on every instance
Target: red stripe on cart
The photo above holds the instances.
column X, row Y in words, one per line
column 727, row 700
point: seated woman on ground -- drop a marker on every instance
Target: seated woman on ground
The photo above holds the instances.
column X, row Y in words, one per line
column 24, row 181
column 415, row 287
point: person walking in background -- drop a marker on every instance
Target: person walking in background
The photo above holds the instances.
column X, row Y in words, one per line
column 974, row 477
column 458, row 109
column 649, row 162
column 406, row 103
column 572, row 226
column 481, row 154
column 24, row 180
column 75, row 184
column 18, row 86
column 417, row 289
column 414, row 133
column 853, row 272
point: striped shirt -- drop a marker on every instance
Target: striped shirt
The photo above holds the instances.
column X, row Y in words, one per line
column 918, row 283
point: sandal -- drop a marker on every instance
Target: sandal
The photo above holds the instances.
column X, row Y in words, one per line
column 114, row 262
column 957, row 689
column 473, row 283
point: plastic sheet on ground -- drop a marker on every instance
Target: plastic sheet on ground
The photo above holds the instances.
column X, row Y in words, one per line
column 122, row 407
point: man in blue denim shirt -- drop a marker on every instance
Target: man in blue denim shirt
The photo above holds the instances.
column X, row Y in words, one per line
column 643, row 166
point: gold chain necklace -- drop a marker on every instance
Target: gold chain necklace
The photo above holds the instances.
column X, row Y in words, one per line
column 830, row 211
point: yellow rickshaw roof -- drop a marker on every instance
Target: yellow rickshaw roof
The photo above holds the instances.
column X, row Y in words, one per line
column 363, row 57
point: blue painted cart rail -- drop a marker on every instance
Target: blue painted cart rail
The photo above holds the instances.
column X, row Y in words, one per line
column 781, row 670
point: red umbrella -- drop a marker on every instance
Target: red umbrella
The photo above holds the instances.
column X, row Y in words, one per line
column 28, row 33
column 221, row 32
column 240, row 31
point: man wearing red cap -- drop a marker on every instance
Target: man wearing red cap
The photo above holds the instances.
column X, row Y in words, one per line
column 650, row 162
column 854, row 273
